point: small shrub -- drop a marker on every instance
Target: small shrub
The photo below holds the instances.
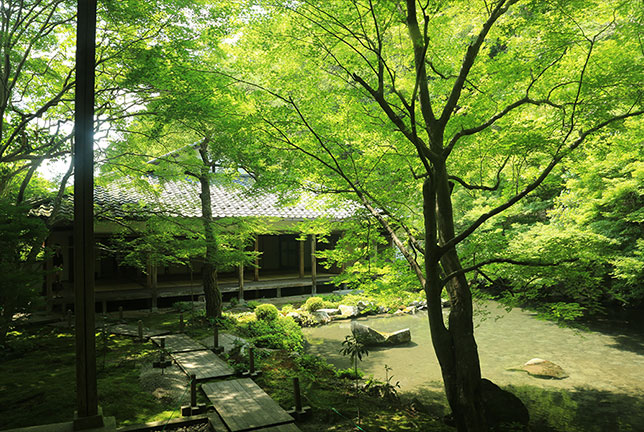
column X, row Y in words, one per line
column 280, row 333
column 286, row 309
column 252, row 304
column 182, row 306
column 349, row 373
column 313, row 303
column 266, row 312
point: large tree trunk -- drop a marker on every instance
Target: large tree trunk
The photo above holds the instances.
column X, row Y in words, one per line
column 454, row 344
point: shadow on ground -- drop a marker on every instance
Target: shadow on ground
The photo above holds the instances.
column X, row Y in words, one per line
column 581, row 410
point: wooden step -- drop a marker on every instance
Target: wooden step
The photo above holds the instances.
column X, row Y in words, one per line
column 244, row 406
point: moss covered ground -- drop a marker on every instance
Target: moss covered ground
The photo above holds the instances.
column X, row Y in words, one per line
column 37, row 378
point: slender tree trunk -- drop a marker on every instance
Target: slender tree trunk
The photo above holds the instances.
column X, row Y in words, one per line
column 454, row 344
column 209, row 271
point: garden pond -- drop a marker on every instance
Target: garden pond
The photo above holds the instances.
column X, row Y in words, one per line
column 609, row 360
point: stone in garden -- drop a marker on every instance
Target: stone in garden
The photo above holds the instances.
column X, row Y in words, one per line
column 330, row 312
column 348, row 311
column 445, row 302
column 370, row 337
column 362, row 305
column 410, row 310
column 321, row 317
column 398, row 337
column 296, row 317
column 544, row 369
column 382, row 310
column 366, row 335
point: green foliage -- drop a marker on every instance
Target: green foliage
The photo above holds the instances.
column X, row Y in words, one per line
column 21, row 237
column 355, row 350
column 313, row 303
column 266, row 312
column 182, row 306
column 385, row 390
column 281, row 333
column 349, row 373
column 252, row 304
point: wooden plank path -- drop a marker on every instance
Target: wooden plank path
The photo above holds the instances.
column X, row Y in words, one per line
column 243, row 406
column 177, row 343
column 203, row 364
column 133, row 330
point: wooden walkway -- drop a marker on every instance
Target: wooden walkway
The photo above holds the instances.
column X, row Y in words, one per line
column 132, row 330
column 177, row 343
column 240, row 404
column 243, row 406
column 194, row 358
column 203, row 364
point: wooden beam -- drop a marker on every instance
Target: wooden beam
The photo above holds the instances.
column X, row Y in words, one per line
column 256, row 269
column 302, row 244
column 314, row 287
column 240, row 279
column 154, row 285
column 49, row 279
column 86, row 389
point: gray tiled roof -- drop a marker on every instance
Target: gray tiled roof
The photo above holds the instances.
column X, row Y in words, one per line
column 181, row 198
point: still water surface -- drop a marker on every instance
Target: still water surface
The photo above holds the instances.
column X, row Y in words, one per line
column 611, row 360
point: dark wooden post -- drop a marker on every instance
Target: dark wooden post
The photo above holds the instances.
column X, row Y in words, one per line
column 314, row 287
column 193, row 390
column 296, row 393
column 120, row 313
column 86, row 389
column 49, row 281
column 152, row 284
column 251, row 358
column 140, row 328
column 240, row 277
column 256, row 269
column 301, row 272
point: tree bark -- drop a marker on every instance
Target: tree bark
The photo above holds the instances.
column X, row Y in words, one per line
column 209, row 270
column 454, row 345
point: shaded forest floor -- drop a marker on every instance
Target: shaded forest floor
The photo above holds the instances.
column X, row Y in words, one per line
column 37, row 386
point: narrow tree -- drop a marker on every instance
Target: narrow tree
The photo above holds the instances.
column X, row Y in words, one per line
column 456, row 81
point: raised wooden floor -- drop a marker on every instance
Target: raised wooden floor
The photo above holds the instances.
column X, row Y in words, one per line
column 243, row 406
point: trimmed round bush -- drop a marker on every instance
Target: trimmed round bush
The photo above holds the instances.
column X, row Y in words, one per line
column 313, row 303
column 266, row 312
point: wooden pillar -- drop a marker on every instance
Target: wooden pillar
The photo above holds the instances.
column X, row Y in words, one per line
column 314, row 287
column 240, row 278
column 302, row 244
column 87, row 415
column 155, row 287
column 256, row 270
column 151, row 283
column 49, row 282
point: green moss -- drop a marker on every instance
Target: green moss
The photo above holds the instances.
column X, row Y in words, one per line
column 313, row 303
column 266, row 312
